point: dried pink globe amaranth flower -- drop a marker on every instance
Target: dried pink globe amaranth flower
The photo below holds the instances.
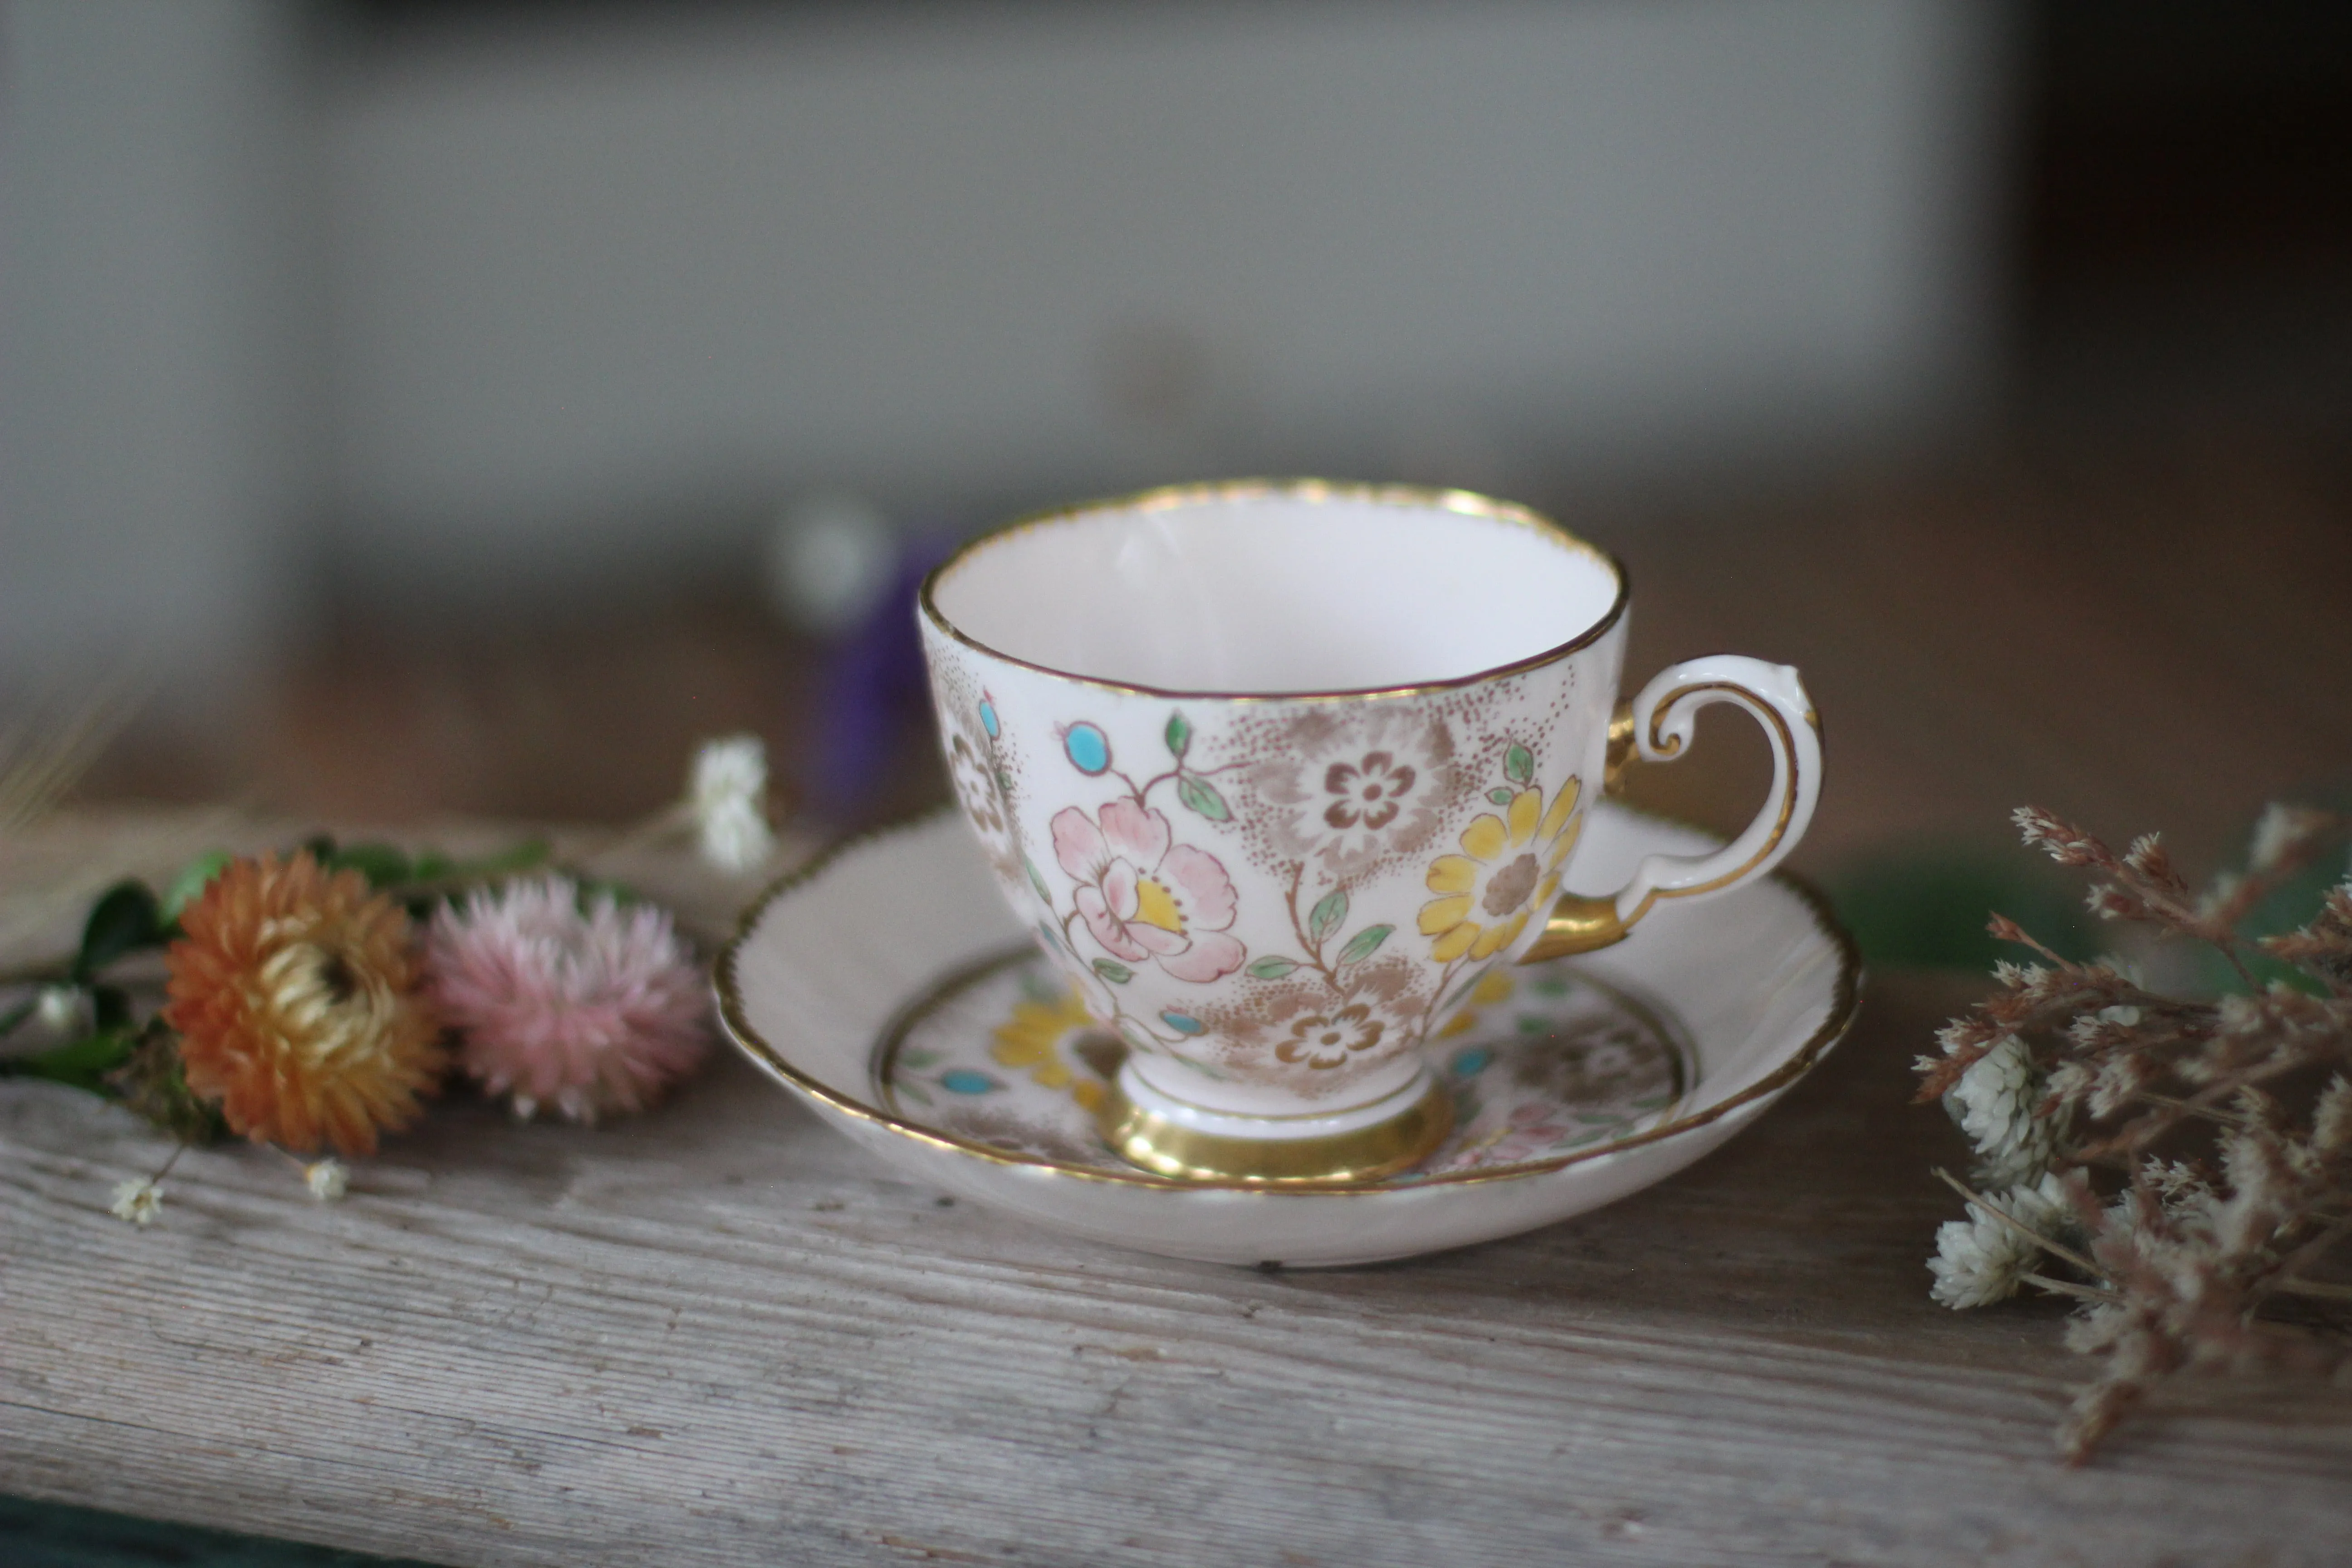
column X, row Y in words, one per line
column 590, row 1011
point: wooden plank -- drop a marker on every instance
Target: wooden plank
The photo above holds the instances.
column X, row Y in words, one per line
column 717, row 1334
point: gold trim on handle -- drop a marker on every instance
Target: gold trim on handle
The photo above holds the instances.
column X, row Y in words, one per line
column 1622, row 753
column 1582, row 923
column 1787, row 795
column 1579, row 924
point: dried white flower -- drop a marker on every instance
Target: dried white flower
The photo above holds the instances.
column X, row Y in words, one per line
column 2284, row 833
column 2331, row 1120
column 137, row 1200
column 1994, row 1103
column 328, row 1179
column 2224, row 889
column 728, row 797
column 1984, row 1258
column 59, row 1008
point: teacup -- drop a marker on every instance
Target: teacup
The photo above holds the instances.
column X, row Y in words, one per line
column 1277, row 772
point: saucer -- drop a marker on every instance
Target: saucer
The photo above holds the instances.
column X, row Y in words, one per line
column 889, row 986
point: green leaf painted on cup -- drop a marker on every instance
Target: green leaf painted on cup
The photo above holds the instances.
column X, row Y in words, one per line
column 1364, row 943
column 1036, row 881
column 1118, row 973
column 1327, row 916
column 1499, row 796
column 1179, row 735
column 1272, row 968
column 1200, row 795
column 1519, row 766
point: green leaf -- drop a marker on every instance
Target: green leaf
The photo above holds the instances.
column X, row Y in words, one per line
column 1272, row 968
column 1927, row 908
column 1364, row 943
column 124, row 919
column 190, row 884
column 1116, row 973
column 1328, row 917
column 1037, row 881
column 82, row 1064
column 1179, row 735
column 1201, row 795
column 1519, row 766
column 384, row 865
column 1499, row 796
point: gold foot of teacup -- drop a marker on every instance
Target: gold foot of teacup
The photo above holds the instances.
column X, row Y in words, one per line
column 1168, row 1138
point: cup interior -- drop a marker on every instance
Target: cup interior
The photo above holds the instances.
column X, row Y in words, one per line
column 1279, row 591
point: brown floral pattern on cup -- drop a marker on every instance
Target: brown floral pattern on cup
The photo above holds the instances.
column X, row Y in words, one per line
column 1349, row 790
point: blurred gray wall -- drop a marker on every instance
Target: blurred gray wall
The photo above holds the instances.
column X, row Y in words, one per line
column 158, row 442
column 579, row 299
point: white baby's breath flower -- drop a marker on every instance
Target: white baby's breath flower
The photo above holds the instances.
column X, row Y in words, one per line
column 1984, row 1258
column 137, row 1200
column 2284, row 833
column 59, row 1008
column 729, row 796
column 2331, row 1119
column 1994, row 1103
column 327, row 1179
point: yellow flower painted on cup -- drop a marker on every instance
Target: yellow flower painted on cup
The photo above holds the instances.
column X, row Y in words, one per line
column 1509, row 871
column 1031, row 1038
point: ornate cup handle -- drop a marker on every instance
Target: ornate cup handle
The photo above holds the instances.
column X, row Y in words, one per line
column 1656, row 726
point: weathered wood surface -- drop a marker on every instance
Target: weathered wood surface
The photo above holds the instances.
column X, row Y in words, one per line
column 717, row 1334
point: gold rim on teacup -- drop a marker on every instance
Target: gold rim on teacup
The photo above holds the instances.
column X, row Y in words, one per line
column 1172, row 498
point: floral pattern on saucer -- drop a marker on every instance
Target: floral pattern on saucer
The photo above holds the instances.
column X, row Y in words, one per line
column 1541, row 1062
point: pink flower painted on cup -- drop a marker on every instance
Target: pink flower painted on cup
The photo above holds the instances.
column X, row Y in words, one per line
column 1144, row 896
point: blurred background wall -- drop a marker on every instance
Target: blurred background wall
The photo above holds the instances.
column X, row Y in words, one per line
column 443, row 309
column 465, row 404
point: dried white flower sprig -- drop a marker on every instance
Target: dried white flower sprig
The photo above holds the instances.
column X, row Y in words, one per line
column 2182, row 1167
column 728, row 796
column 724, row 810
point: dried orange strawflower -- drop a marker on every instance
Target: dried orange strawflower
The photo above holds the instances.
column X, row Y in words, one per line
column 292, row 992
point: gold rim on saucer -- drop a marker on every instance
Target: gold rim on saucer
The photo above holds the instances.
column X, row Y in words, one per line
column 1845, row 1005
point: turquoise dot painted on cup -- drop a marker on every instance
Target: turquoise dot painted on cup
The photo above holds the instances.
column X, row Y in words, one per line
column 1088, row 748
column 964, row 1080
column 1470, row 1063
column 1183, row 1023
column 988, row 718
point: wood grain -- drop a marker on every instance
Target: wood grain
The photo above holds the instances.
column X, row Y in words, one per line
column 717, row 1334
